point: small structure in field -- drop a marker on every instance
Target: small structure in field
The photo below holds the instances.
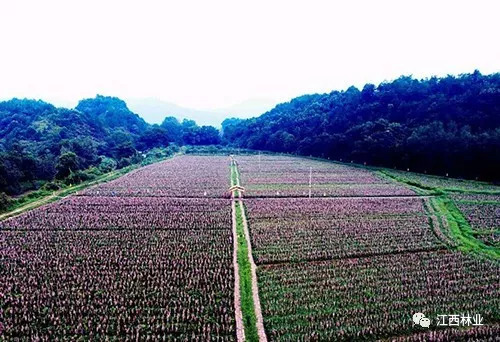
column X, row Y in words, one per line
column 235, row 188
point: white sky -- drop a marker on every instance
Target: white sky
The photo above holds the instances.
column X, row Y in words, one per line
column 210, row 54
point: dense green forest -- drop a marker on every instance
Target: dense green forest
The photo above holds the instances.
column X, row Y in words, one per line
column 447, row 125
column 40, row 143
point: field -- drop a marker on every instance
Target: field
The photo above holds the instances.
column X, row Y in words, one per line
column 277, row 176
column 297, row 229
column 483, row 214
column 374, row 297
column 114, row 263
column 367, row 251
column 309, row 251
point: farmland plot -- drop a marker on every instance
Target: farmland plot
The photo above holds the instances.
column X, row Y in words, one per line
column 370, row 298
column 122, row 284
column 277, row 176
column 359, row 262
column 184, row 176
column 291, row 229
column 111, row 265
column 97, row 213
column 483, row 214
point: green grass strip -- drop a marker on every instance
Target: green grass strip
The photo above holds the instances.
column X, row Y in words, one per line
column 246, row 294
column 245, row 268
column 461, row 229
column 420, row 189
column 235, row 178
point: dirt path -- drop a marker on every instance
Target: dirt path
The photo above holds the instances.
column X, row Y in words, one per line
column 253, row 267
column 255, row 287
column 240, row 332
column 29, row 206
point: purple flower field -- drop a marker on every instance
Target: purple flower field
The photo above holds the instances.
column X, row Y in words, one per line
column 277, row 176
column 115, row 264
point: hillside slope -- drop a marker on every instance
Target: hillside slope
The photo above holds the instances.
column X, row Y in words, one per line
column 439, row 125
column 39, row 142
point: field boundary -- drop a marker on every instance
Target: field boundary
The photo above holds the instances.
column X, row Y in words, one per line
column 240, row 329
column 447, row 221
column 253, row 323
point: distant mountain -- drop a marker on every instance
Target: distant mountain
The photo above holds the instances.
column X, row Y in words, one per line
column 249, row 108
column 155, row 110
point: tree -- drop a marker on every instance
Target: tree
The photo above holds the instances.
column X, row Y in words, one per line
column 173, row 128
column 67, row 163
column 4, row 201
column 154, row 136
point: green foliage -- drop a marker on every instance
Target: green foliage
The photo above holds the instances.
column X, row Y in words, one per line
column 173, row 128
column 79, row 176
column 204, row 135
column 39, row 142
column 438, row 125
column 51, row 186
column 113, row 113
column 67, row 163
column 159, row 153
column 4, row 201
column 107, row 164
column 154, row 136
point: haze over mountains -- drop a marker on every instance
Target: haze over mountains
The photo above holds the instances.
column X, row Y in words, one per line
column 154, row 110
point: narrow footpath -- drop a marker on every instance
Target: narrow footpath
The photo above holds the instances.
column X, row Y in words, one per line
column 249, row 322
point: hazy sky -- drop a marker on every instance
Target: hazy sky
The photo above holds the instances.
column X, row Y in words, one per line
column 212, row 54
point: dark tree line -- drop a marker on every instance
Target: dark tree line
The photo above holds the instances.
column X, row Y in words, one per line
column 40, row 143
column 437, row 125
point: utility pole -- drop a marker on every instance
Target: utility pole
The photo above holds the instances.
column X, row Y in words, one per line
column 259, row 161
column 310, row 180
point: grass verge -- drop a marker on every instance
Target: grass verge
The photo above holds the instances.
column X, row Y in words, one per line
column 235, row 178
column 461, row 229
column 419, row 188
column 246, row 294
column 40, row 197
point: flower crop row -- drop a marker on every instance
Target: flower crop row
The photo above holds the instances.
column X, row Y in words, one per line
column 277, row 176
column 121, row 284
column 315, row 229
column 483, row 333
column 483, row 214
column 185, row 176
column 370, row 298
column 156, row 266
column 96, row 213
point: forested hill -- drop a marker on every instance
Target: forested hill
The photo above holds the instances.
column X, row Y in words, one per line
column 437, row 125
column 40, row 143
